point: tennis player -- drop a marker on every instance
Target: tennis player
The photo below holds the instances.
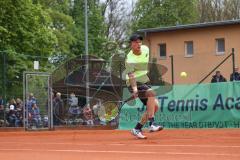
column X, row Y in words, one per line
column 138, row 84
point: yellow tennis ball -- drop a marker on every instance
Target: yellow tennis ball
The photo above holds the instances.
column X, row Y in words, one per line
column 183, row 74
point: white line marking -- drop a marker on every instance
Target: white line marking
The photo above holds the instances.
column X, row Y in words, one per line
column 124, row 152
column 189, row 145
column 122, row 144
column 203, row 154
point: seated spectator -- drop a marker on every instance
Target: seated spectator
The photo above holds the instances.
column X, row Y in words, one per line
column 19, row 113
column 96, row 108
column 19, row 119
column 11, row 115
column 73, row 100
column 88, row 115
column 74, row 109
column 19, row 104
column 34, row 115
column 31, row 99
column 235, row 76
column 218, row 78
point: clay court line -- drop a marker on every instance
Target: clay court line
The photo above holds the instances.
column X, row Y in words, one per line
column 124, row 152
column 119, row 144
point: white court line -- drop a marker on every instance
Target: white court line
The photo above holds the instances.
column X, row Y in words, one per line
column 119, row 144
column 179, row 145
column 124, row 152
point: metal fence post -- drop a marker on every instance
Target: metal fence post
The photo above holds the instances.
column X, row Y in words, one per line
column 233, row 63
column 172, row 69
column 4, row 86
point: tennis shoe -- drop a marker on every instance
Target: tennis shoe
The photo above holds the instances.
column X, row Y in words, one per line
column 154, row 128
column 138, row 133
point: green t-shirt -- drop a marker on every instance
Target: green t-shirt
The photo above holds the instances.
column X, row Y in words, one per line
column 138, row 64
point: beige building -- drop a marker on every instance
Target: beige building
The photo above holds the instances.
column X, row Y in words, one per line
column 196, row 49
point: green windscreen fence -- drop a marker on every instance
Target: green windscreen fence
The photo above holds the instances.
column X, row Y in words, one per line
column 214, row 105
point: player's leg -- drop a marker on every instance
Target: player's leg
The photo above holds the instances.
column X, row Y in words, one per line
column 147, row 96
column 144, row 118
column 152, row 108
column 137, row 130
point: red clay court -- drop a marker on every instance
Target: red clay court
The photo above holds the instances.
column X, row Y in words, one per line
column 207, row 144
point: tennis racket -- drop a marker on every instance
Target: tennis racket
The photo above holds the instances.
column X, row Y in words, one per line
column 109, row 110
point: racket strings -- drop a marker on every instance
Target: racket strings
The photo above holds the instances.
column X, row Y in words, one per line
column 108, row 111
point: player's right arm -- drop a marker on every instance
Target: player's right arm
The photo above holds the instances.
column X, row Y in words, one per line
column 131, row 79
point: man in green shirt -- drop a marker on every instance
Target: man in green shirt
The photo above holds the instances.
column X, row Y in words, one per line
column 138, row 83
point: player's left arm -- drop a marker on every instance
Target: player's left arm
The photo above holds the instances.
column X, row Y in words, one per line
column 133, row 83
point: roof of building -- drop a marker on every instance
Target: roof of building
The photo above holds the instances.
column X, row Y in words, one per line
column 190, row 26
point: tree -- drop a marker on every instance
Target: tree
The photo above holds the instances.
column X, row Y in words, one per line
column 24, row 28
column 118, row 16
column 159, row 13
column 62, row 26
column 218, row 10
column 96, row 28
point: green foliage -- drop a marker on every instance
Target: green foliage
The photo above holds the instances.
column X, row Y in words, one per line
column 96, row 28
column 38, row 29
column 24, row 28
column 62, row 26
column 62, row 6
column 159, row 13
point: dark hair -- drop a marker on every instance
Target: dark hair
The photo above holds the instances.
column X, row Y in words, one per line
column 135, row 37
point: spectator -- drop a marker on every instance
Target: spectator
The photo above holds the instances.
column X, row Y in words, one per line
column 19, row 104
column 218, row 78
column 73, row 105
column 19, row 113
column 34, row 115
column 88, row 115
column 31, row 100
column 58, row 109
column 73, row 101
column 235, row 76
column 11, row 115
column 96, row 107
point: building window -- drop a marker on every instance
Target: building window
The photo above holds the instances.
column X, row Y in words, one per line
column 189, row 48
column 220, row 46
column 163, row 50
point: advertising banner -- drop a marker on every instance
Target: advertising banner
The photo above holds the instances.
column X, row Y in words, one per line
column 211, row 105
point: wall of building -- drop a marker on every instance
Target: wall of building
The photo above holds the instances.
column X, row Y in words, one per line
column 204, row 58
